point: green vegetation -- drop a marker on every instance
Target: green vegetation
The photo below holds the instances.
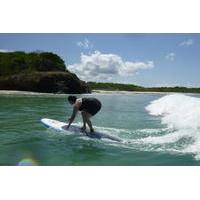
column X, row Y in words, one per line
column 130, row 87
column 18, row 62
column 114, row 86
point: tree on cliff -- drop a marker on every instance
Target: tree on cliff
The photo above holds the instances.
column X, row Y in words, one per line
column 17, row 62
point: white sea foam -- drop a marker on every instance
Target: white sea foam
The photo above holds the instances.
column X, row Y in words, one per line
column 180, row 113
column 168, row 138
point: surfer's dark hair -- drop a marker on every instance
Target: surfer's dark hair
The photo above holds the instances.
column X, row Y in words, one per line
column 72, row 98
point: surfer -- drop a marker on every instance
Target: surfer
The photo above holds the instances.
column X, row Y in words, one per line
column 88, row 108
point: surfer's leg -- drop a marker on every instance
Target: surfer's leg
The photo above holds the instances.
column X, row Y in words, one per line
column 86, row 119
column 89, row 123
column 83, row 114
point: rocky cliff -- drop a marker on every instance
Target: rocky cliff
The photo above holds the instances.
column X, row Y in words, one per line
column 38, row 72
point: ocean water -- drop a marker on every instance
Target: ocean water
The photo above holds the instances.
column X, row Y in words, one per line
column 155, row 129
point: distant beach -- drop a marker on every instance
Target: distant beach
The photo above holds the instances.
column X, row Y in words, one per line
column 28, row 93
column 15, row 92
column 126, row 92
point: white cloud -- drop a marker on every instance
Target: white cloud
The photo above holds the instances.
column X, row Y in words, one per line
column 186, row 43
column 170, row 56
column 128, row 68
column 4, row 50
column 103, row 67
column 85, row 44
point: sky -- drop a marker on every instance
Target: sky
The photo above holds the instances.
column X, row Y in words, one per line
column 142, row 59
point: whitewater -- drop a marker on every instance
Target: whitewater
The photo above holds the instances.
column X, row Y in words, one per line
column 181, row 115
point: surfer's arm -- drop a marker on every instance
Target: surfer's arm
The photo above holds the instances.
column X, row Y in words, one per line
column 71, row 119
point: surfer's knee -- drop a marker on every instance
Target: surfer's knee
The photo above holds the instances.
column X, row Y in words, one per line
column 84, row 114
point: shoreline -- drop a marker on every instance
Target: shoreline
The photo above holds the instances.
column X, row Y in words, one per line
column 127, row 92
column 17, row 92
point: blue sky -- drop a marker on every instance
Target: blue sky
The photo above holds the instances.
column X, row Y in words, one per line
column 143, row 59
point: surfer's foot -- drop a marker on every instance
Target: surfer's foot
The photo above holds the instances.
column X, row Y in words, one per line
column 92, row 130
column 65, row 127
column 83, row 129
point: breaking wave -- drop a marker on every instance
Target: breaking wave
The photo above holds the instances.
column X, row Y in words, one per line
column 181, row 115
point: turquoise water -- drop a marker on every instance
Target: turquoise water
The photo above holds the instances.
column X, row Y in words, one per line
column 153, row 132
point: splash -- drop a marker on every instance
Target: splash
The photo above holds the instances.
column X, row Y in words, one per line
column 177, row 111
column 181, row 114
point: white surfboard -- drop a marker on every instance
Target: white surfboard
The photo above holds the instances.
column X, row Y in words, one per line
column 60, row 126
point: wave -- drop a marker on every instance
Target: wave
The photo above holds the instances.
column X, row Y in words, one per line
column 178, row 111
column 181, row 114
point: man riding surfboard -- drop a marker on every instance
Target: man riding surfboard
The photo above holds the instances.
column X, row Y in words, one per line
column 88, row 108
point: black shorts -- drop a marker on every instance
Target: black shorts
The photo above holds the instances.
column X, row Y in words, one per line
column 93, row 107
